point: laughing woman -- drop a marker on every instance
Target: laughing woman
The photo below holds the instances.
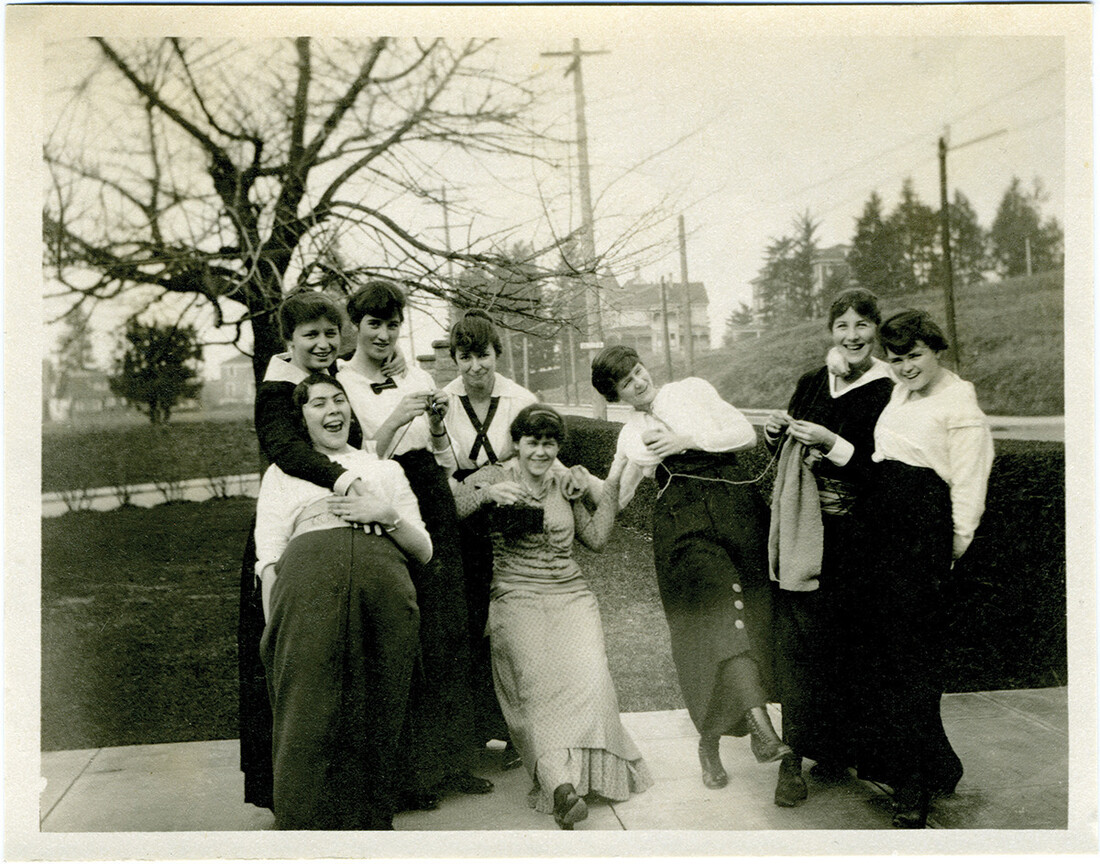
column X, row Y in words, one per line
column 831, row 419
column 342, row 624
column 934, row 451
column 709, row 549
column 549, row 663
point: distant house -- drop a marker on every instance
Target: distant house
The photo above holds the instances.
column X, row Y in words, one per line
column 633, row 314
column 78, row 392
column 234, row 384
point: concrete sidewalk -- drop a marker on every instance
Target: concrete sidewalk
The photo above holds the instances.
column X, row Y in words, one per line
column 1012, row 743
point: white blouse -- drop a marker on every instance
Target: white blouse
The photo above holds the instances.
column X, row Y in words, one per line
column 283, row 500
column 512, row 399
column 690, row 407
column 373, row 409
column 948, row 433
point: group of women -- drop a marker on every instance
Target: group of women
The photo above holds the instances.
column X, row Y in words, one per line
column 412, row 590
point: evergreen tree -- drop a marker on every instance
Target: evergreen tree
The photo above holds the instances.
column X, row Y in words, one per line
column 785, row 284
column 158, row 368
column 1017, row 225
column 739, row 319
column 874, row 257
column 914, row 225
column 969, row 243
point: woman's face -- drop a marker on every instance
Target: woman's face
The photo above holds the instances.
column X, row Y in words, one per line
column 854, row 335
column 477, row 368
column 636, row 389
column 327, row 415
column 313, row 345
column 378, row 337
column 536, row 455
column 918, row 368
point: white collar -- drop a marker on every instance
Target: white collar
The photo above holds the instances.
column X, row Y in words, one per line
column 279, row 368
column 879, row 369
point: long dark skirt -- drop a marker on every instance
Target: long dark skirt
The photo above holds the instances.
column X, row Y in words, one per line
column 477, row 565
column 439, row 737
column 813, row 651
column 710, row 553
column 339, row 650
column 901, row 739
column 254, row 707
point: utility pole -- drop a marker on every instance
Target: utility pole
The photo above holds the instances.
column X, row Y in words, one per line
column 686, row 331
column 588, row 238
column 664, row 321
column 953, row 353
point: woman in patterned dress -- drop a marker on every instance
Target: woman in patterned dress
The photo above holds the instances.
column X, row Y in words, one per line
column 549, row 663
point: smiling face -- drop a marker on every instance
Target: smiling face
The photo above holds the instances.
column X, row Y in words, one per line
column 536, row 455
column 854, row 335
column 636, row 389
column 313, row 345
column 327, row 416
column 918, row 368
column 477, row 368
column 378, row 337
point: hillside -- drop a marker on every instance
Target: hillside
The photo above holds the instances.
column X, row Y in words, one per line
column 1011, row 334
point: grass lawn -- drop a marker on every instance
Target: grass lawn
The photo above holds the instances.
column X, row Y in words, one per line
column 139, row 624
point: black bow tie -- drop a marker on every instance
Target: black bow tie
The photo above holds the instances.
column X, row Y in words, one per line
column 388, row 384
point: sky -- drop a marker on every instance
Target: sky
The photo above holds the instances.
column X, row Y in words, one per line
column 744, row 125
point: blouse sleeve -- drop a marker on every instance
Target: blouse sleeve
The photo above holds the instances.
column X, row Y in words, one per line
column 593, row 529
column 415, row 539
column 970, row 454
column 470, row 494
column 722, row 428
column 282, row 443
column 274, row 518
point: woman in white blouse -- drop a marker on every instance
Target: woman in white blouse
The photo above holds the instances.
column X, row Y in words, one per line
column 933, row 454
column 710, row 528
column 342, row 624
column 403, row 415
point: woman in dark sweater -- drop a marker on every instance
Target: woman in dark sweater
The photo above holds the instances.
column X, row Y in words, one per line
column 833, row 417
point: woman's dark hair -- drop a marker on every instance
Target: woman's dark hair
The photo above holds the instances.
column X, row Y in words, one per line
column 300, row 396
column 379, row 299
column 610, row 367
column 475, row 332
column 539, row 421
column 305, row 306
column 900, row 332
column 863, row 301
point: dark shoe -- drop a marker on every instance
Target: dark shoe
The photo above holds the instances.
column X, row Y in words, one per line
column 790, row 789
column 419, row 799
column 911, row 804
column 714, row 775
column 829, row 773
column 509, row 757
column 947, row 787
column 766, row 745
column 569, row 807
column 466, row 783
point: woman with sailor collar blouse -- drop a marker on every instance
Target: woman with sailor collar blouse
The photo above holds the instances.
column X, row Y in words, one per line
column 402, row 416
column 709, row 548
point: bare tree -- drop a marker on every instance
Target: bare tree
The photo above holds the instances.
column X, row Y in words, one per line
column 202, row 169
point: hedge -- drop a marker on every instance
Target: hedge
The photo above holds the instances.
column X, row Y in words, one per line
column 1006, row 599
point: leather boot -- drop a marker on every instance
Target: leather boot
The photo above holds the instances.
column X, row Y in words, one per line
column 790, row 789
column 911, row 805
column 766, row 745
column 714, row 775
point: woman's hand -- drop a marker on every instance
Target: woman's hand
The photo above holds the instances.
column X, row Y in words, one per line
column 777, row 421
column 812, row 434
column 395, row 365
column 665, row 443
column 506, row 492
column 412, row 405
column 438, row 403
column 576, row 483
column 361, row 509
column 267, row 578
